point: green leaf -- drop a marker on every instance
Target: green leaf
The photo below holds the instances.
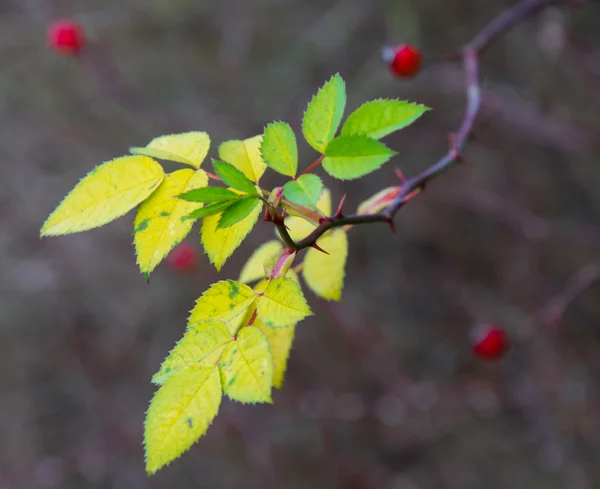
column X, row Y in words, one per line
column 209, row 195
column 324, row 113
column 209, row 210
column 279, row 148
column 305, row 190
column 350, row 157
column 247, row 367
column 381, row 117
column 282, row 303
column 190, row 148
column 107, row 192
column 233, row 177
column 225, row 301
column 180, row 413
column 202, row 343
column 238, row 211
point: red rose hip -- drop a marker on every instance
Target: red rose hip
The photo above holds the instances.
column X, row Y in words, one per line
column 404, row 60
column 66, row 37
column 183, row 257
column 489, row 341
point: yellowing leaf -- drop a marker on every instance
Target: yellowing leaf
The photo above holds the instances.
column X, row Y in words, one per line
column 190, row 148
column 282, row 303
column 280, row 342
column 225, row 301
column 254, row 267
column 300, row 228
column 109, row 191
column 247, row 367
column 324, row 274
column 220, row 243
column 159, row 223
column 202, row 344
column 245, row 156
column 180, row 412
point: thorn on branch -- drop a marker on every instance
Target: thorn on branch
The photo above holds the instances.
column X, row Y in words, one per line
column 338, row 213
column 400, row 175
column 390, row 221
column 317, row 247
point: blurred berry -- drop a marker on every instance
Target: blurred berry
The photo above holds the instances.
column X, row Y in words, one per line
column 404, row 60
column 183, row 257
column 489, row 341
column 66, row 37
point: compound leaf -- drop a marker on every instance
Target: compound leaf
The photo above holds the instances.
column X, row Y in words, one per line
column 189, row 148
column 324, row 113
column 254, row 267
column 238, row 210
column 225, row 301
column 233, row 177
column 247, row 367
column 324, row 274
column 220, row 243
column 202, row 343
column 282, row 303
column 381, row 117
column 305, row 190
column 350, row 157
column 279, row 148
column 180, row 413
column 280, row 342
column 109, row 191
column 245, row 156
column 160, row 222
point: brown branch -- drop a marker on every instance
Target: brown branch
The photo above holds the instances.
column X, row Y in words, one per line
column 470, row 54
column 582, row 280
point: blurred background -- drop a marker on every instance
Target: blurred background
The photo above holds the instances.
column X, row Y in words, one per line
column 383, row 389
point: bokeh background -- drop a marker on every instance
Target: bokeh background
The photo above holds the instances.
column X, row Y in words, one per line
column 382, row 390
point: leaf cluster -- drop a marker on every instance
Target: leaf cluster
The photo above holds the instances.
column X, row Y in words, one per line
column 238, row 336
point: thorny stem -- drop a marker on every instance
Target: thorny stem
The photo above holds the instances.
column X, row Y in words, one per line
column 470, row 54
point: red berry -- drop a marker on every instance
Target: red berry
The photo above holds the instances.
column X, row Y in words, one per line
column 66, row 37
column 183, row 257
column 490, row 341
column 404, row 60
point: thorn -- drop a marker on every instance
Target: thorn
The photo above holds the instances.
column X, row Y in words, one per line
column 268, row 217
column 412, row 195
column 339, row 209
column 317, row 247
column 252, row 318
column 400, row 175
column 283, row 213
column 390, row 221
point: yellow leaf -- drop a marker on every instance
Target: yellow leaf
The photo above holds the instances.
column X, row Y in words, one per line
column 159, row 224
column 247, row 367
column 202, row 343
column 225, row 301
column 300, row 228
column 109, row 191
column 324, row 274
column 280, row 342
column 220, row 243
column 245, row 156
column 189, row 147
column 282, row 303
column 180, row 412
column 254, row 268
